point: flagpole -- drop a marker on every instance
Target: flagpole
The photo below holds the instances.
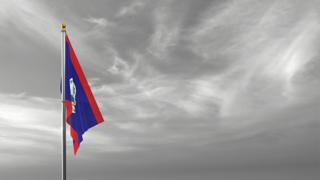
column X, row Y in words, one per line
column 63, row 73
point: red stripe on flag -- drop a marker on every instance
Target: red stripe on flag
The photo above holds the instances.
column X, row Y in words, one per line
column 68, row 106
column 73, row 133
column 74, row 136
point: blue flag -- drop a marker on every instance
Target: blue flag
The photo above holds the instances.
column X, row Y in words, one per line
column 82, row 111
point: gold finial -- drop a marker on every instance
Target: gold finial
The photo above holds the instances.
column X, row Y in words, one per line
column 63, row 27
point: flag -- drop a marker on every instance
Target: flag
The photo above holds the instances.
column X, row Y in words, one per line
column 82, row 111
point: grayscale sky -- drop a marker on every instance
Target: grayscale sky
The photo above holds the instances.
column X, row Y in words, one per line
column 189, row 89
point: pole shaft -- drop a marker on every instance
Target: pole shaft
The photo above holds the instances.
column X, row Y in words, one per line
column 63, row 52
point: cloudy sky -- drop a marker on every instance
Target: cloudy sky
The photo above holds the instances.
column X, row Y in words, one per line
column 189, row 89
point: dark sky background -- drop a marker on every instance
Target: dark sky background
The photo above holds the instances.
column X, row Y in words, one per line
column 189, row 89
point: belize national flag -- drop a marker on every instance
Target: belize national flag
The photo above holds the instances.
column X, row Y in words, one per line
column 82, row 111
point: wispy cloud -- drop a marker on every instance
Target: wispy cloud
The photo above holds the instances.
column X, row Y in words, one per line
column 101, row 22
column 165, row 34
column 34, row 19
column 262, row 64
column 28, row 124
column 130, row 9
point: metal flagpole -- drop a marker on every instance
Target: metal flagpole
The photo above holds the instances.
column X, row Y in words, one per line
column 63, row 73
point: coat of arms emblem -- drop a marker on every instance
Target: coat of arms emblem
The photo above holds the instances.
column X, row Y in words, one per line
column 73, row 92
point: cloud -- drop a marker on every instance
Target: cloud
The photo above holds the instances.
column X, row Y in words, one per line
column 29, row 125
column 33, row 18
column 119, row 66
column 165, row 34
column 41, row 24
column 130, row 9
column 262, row 64
column 101, row 22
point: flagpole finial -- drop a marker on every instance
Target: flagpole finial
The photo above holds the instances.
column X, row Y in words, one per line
column 63, row 27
